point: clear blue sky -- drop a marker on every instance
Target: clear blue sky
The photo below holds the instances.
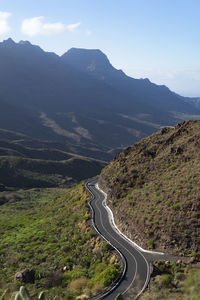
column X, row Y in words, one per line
column 158, row 39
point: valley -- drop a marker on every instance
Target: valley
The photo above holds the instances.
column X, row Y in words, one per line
column 26, row 167
column 65, row 119
column 38, row 90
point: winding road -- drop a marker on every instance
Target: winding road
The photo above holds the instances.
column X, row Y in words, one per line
column 136, row 260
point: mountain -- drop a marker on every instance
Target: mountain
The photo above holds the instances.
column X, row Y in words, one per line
column 67, row 104
column 153, row 189
column 195, row 102
column 144, row 93
column 57, row 100
column 75, row 99
column 17, row 118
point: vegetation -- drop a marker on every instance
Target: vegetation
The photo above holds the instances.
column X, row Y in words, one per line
column 27, row 173
column 119, row 297
column 27, row 163
column 48, row 230
column 53, row 98
column 177, row 282
column 23, row 294
column 153, row 188
column 49, row 149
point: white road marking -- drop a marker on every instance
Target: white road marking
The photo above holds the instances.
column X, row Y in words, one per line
column 122, row 256
column 117, row 229
column 120, row 251
column 136, row 247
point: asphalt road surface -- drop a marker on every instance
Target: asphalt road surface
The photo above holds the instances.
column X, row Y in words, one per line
column 137, row 268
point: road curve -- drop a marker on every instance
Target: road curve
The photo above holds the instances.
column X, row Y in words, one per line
column 136, row 267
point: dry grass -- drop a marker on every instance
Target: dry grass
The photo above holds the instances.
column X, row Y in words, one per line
column 153, row 189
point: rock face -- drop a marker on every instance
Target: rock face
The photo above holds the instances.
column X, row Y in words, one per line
column 26, row 276
column 153, row 189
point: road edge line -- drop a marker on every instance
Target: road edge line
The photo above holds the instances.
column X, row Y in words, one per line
column 137, row 248
column 121, row 233
column 121, row 255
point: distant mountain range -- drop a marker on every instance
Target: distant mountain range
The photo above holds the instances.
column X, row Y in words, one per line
column 81, row 99
column 145, row 94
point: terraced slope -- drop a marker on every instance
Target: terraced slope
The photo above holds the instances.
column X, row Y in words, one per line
column 153, row 188
column 26, row 173
column 26, row 167
column 15, row 139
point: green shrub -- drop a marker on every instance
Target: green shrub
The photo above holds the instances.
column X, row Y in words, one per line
column 165, row 280
column 176, row 205
column 150, row 244
column 46, row 230
column 119, row 297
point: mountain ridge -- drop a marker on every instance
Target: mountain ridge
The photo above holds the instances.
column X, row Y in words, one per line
column 67, row 103
column 89, row 62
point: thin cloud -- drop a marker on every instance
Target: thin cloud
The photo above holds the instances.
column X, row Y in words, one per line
column 72, row 27
column 37, row 26
column 4, row 27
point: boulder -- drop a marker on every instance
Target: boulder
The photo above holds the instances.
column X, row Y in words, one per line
column 26, row 276
column 192, row 260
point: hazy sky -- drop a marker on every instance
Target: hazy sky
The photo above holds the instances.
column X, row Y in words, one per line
column 158, row 39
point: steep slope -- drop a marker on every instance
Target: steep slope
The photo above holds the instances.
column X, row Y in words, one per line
column 153, row 188
column 67, row 103
column 146, row 95
column 195, row 102
column 15, row 117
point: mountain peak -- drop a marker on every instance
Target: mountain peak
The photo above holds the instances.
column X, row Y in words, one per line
column 9, row 42
column 25, row 43
column 28, row 45
column 91, row 52
column 88, row 60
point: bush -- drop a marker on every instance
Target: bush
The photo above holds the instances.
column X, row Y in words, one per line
column 78, row 284
column 165, row 281
column 119, row 297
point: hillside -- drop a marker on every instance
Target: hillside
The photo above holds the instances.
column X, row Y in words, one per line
column 177, row 281
column 48, row 97
column 27, row 167
column 153, row 188
column 21, row 172
column 147, row 97
column 48, row 231
column 39, row 146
